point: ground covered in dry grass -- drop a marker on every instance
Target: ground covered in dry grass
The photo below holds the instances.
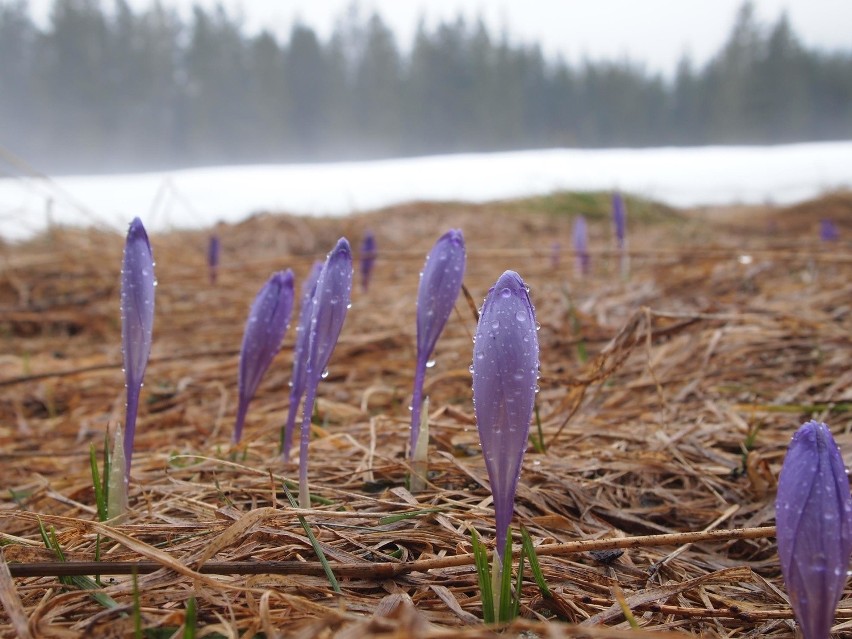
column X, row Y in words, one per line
column 666, row 404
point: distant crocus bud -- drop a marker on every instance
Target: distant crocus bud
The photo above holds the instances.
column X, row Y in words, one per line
column 137, row 324
column 555, row 254
column 581, row 245
column 267, row 323
column 368, row 259
column 505, row 374
column 828, row 231
column 328, row 312
column 300, row 351
column 213, row 257
column 440, row 283
column 619, row 220
column 813, row 513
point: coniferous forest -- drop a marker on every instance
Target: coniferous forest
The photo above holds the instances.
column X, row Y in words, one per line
column 101, row 87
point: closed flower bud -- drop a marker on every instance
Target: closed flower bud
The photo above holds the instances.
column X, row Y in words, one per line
column 440, row 283
column 137, row 324
column 265, row 328
column 581, row 245
column 300, row 351
column 813, row 513
column 368, row 259
column 505, row 374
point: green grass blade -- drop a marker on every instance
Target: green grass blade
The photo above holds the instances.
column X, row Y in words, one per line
column 392, row 519
column 519, row 584
column 191, row 621
column 315, row 543
column 137, row 608
column 535, row 567
column 483, row 575
column 506, row 603
column 96, row 484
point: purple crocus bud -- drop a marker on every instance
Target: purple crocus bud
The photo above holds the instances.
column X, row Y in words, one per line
column 505, row 372
column 328, row 312
column 267, row 322
column 368, row 259
column 813, row 513
column 213, row 257
column 137, row 324
column 555, row 255
column 440, row 283
column 300, row 350
column 828, row 231
column 581, row 245
column 619, row 220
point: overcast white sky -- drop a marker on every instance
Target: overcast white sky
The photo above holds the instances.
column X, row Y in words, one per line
column 653, row 32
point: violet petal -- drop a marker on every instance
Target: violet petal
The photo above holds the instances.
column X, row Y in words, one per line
column 814, row 527
column 137, row 324
column 267, row 323
column 440, row 283
column 368, row 259
column 505, row 373
column 300, row 351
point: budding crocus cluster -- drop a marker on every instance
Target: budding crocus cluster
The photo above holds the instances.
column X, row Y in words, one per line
column 137, row 324
column 267, row 323
column 213, row 258
column 505, row 374
column 581, row 245
column 328, row 312
column 368, row 259
column 300, row 349
column 440, row 283
column 813, row 513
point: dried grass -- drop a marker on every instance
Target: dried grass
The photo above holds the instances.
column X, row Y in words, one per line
column 699, row 348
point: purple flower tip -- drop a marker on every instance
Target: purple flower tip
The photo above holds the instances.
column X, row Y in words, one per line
column 331, row 301
column 137, row 323
column 368, row 258
column 267, row 323
column 505, row 374
column 619, row 219
column 813, row 512
column 300, row 351
column 213, row 257
column 828, row 231
column 440, row 283
column 581, row 245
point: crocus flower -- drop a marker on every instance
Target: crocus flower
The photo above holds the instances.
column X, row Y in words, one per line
column 828, row 231
column 619, row 220
column 555, row 254
column 368, row 259
column 581, row 245
column 505, row 371
column 303, row 332
column 440, row 283
column 328, row 311
column 213, row 257
column 813, row 513
column 267, row 322
column 137, row 324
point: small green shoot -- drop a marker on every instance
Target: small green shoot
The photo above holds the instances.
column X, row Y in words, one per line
column 315, row 543
column 483, row 575
column 191, row 619
column 137, row 608
column 81, row 582
column 535, row 567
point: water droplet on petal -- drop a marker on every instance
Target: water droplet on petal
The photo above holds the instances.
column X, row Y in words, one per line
column 506, row 293
column 430, row 363
column 521, row 316
column 324, row 374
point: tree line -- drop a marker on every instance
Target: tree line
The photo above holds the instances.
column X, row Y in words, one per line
column 102, row 88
